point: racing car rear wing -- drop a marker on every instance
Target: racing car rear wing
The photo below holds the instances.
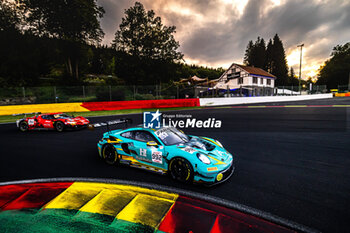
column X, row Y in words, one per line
column 25, row 114
column 125, row 121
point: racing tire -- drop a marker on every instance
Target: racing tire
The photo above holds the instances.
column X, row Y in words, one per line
column 23, row 126
column 59, row 126
column 181, row 170
column 109, row 154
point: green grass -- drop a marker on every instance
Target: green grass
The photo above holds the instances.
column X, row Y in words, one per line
column 10, row 118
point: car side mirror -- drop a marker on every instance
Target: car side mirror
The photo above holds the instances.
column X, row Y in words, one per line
column 152, row 143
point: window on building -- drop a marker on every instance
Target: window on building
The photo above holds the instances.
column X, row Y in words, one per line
column 255, row 80
column 261, row 81
column 240, row 80
column 268, row 82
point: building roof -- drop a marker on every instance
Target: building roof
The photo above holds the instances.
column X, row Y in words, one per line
column 256, row 71
column 195, row 78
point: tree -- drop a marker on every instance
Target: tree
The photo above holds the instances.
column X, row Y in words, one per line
column 292, row 78
column 9, row 18
column 336, row 70
column 260, row 53
column 143, row 35
column 248, row 56
column 279, row 66
column 255, row 54
column 269, row 56
column 74, row 21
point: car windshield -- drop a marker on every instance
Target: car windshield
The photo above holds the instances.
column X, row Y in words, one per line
column 61, row 116
column 171, row 136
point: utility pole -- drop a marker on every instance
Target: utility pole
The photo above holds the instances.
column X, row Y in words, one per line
column 301, row 57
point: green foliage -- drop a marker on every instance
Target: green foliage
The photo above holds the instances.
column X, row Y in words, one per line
column 70, row 20
column 143, row 35
column 104, row 93
column 144, row 97
column 279, row 66
column 186, row 71
column 9, row 18
column 292, row 78
column 56, row 43
column 255, row 54
column 75, row 23
column 336, row 70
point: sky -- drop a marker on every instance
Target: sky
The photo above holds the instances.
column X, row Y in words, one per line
column 215, row 33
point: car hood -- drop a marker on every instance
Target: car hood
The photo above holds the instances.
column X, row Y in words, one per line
column 206, row 146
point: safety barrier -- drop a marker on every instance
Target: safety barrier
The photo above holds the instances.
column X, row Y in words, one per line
column 260, row 99
column 140, row 104
column 149, row 104
column 342, row 94
column 98, row 106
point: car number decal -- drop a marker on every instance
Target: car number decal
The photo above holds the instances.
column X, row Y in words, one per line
column 30, row 121
column 162, row 135
column 157, row 157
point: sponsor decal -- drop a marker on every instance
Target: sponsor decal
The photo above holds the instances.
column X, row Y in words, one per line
column 156, row 119
column 157, row 157
column 152, row 119
column 30, row 121
column 189, row 150
column 143, row 152
column 221, row 153
column 219, row 177
column 192, row 123
column 210, row 169
column 143, row 159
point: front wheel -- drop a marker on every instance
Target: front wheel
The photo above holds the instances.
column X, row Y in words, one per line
column 109, row 154
column 181, row 170
column 23, row 126
column 59, row 126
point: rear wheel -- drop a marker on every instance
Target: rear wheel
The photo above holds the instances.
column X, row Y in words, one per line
column 109, row 154
column 181, row 170
column 23, row 126
column 59, row 126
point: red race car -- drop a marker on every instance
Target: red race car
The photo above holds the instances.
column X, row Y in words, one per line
column 57, row 121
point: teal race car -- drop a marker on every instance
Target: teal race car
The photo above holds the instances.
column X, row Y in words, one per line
column 168, row 151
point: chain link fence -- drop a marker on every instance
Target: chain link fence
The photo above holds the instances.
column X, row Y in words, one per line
column 67, row 94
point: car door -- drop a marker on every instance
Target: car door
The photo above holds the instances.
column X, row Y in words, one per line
column 149, row 154
column 45, row 121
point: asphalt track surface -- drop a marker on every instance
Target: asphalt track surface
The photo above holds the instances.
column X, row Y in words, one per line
column 291, row 162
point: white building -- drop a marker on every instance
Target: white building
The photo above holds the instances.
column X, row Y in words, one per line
column 247, row 80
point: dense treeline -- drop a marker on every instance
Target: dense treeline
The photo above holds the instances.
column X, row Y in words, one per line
column 336, row 70
column 47, row 42
column 270, row 57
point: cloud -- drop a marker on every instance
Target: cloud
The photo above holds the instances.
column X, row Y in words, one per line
column 216, row 32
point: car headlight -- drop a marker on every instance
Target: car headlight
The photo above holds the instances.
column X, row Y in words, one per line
column 203, row 158
column 219, row 143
